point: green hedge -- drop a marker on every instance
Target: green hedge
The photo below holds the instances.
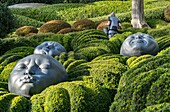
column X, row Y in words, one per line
column 64, row 40
column 26, row 21
column 163, row 107
column 7, row 21
column 10, row 43
column 163, row 42
column 12, row 103
column 75, row 96
column 6, row 71
column 165, row 51
column 140, row 84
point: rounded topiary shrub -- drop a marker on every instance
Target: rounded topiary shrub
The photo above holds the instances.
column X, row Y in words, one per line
column 102, row 24
column 25, row 30
column 53, row 26
column 75, row 96
column 7, row 20
column 167, row 13
column 67, row 30
column 143, row 85
column 84, row 24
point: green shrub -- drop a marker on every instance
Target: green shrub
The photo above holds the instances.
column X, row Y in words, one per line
column 91, row 52
column 10, row 43
column 107, row 72
column 64, row 40
column 163, row 42
column 116, row 57
column 24, row 51
column 140, row 84
column 75, row 96
column 7, row 20
column 163, row 107
column 6, row 71
column 19, row 104
column 85, row 36
column 117, row 41
column 26, row 21
column 156, row 33
column 156, row 23
column 165, row 51
column 4, row 85
column 5, row 101
column 138, row 60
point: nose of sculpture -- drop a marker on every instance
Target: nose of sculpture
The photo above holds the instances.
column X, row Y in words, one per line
column 138, row 37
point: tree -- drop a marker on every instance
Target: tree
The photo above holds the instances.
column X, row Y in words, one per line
column 138, row 18
column 6, row 20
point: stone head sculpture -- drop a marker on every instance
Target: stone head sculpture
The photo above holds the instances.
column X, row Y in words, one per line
column 139, row 44
column 34, row 73
column 50, row 48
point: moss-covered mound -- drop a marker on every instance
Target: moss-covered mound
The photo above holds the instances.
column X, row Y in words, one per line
column 53, row 26
column 167, row 13
column 145, row 84
column 84, row 24
column 75, row 96
column 25, row 30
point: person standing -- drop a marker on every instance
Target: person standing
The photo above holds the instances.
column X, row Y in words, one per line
column 113, row 25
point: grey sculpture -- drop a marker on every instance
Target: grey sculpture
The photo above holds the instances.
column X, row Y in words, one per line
column 34, row 73
column 50, row 48
column 139, row 44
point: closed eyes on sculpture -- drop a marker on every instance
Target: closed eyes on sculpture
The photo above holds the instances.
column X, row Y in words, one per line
column 139, row 44
column 34, row 73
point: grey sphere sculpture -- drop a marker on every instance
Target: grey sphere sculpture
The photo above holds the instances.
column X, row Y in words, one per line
column 50, row 48
column 34, row 73
column 139, row 44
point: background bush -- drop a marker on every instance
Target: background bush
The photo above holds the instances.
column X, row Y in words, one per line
column 7, row 22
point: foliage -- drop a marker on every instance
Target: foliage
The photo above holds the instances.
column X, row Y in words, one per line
column 25, row 30
column 167, row 13
column 64, row 40
column 84, row 24
column 10, row 43
column 140, row 84
column 26, row 21
column 163, row 107
column 53, row 26
column 72, row 96
column 7, row 20
column 67, row 30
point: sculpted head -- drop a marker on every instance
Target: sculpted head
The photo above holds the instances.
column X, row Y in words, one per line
column 139, row 44
column 49, row 48
column 34, row 73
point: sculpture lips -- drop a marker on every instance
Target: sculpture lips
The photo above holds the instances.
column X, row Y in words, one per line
column 27, row 79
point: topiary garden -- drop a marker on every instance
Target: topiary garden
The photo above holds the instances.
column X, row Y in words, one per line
column 99, row 78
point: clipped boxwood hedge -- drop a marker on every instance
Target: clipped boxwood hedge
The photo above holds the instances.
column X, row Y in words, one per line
column 140, row 84
column 75, row 96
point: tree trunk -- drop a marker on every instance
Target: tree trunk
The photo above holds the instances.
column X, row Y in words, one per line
column 138, row 18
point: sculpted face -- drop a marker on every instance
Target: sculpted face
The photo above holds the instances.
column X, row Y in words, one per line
column 34, row 73
column 49, row 48
column 139, row 44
